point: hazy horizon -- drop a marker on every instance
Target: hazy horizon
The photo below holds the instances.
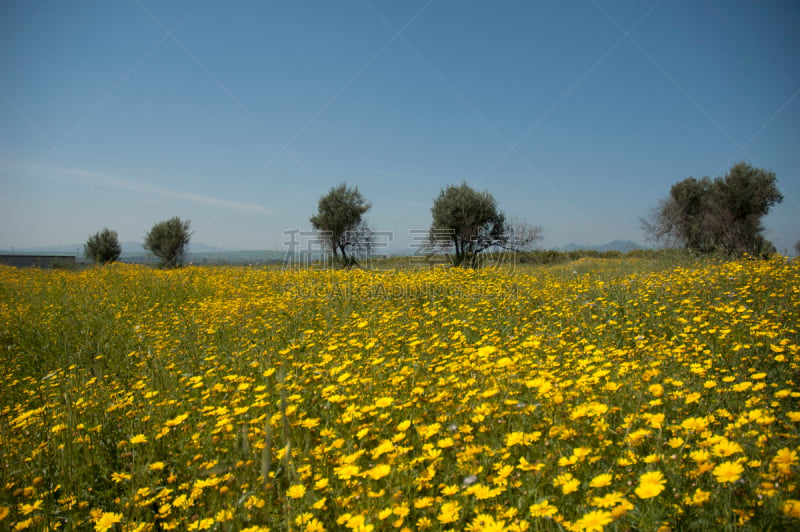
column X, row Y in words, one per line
column 576, row 116
column 202, row 248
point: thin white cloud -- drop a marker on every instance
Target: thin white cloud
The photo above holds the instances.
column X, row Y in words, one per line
column 117, row 183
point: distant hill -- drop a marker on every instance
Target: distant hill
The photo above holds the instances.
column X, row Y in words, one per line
column 202, row 254
column 135, row 252
column 199, row 253
column 616, row 245
column 61, row 249
column 237, row 257
column 193, row 247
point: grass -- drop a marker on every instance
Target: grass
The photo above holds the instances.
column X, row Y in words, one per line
column 616, row 394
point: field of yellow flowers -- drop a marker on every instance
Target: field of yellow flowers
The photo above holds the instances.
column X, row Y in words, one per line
column 605, row 395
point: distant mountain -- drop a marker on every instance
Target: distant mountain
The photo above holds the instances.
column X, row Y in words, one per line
column 60, row 249
column 237, row 257
column 196, row 247
column 203, row 254
column 133, row 248
column 617, row 245
column 128, row 248
column 193, row 247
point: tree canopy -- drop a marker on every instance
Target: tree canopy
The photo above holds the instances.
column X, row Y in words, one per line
column 339, row 217
column 716, row 215
column 470, row 222
column 167, row 240
column 103, row 247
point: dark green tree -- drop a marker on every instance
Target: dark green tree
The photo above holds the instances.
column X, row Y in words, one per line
column 743, row 198
column 469, row 222
column 103, row 247
column 720, row 215
column 167, row 240
column 339, row 217
column 797, row 247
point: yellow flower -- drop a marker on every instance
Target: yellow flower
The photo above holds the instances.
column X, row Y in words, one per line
column 570, row 486
column 202, row 483
column 693, row 397
column 543, row 509
column 726, row 448
column 728, row 472
column 379, row 471
column 700, row 497
column 156, row 466
column 486, row 350
column 296, row 491
column 594, row 521
column 177, row 420
column 303, row 518
column 485, row 523
column 608, row 501
column 202, row 524
column 657, row 421
column 567, row 461
column 4, row 511
column 119, row 477
column 601, row 481
column 401, row 511
column 423, row 523
column 449, row 512
column 26, row 509
column 514, row 438
column 675, row 442
column 624, row 507
column 696, row 424
column 348, row 471
column 106, row 521
column 791, row 507
column 139, row 438
column 383, row 402
column 445, row 443
column 22, row 525
column 320, row 504
column 181, row 501
column 423, row 502
column 481, row 491
column 700, row 456
column 786, row 456
column 315, row 526
column 448, row 491
column 650, row 485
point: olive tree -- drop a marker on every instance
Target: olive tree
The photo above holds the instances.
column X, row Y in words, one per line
column 339, row 217
column 103, row 247
column 469, row 222
column 167, row 240
column 716, row 215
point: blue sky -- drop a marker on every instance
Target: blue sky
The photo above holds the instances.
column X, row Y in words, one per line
column 238, row 116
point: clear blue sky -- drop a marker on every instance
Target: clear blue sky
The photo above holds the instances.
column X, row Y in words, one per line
column 577, row 116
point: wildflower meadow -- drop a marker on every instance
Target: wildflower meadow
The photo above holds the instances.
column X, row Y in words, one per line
column 618, row 394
